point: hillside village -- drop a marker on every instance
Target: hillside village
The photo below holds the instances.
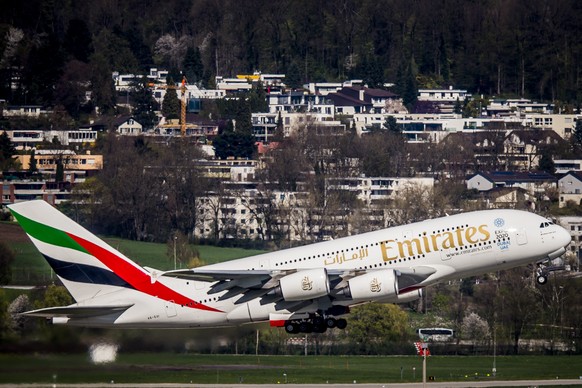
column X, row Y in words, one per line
column 504, row 153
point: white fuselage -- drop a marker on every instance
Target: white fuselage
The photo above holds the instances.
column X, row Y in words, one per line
column 451, row 247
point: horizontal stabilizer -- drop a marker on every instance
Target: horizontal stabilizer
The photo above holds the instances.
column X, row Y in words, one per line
column 76, row 311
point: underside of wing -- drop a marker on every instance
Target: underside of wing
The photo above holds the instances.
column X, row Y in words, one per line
column 288, row 285
column 77, row 311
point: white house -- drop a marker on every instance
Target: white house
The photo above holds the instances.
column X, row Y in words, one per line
column 128, row 126
column 532, row 182
column 570, row 187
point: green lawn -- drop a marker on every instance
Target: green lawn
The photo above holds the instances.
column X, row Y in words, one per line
column 185, row 368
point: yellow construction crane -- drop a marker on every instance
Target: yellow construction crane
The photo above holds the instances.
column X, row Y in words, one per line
column 182, row 89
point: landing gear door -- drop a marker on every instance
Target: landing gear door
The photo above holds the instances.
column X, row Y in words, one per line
column 521, row 237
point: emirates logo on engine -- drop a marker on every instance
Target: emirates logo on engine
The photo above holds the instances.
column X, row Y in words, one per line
column 375, row 285
column 306, row 284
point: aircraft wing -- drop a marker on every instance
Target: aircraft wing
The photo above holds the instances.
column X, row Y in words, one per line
column 77, row 311
column 250, row 284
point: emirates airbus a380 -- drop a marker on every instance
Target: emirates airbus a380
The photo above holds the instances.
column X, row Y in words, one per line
column 303, row 289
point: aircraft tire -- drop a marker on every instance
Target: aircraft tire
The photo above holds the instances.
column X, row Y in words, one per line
column 291, row 328
column 305, row 327
column 542, row 279
column 341, row 323
column 319, row 328
column 330, row 322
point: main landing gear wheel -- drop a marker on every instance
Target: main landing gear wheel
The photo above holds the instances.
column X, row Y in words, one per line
column 291, row 328
column 330, row 322
column 341, row 323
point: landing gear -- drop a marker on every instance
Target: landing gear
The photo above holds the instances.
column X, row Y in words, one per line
column 544, row 269
column 542, row 278
column 316, row 324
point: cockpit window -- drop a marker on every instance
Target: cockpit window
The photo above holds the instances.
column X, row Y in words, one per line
column 546, row 224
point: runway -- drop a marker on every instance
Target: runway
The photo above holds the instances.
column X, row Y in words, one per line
column 449, row 384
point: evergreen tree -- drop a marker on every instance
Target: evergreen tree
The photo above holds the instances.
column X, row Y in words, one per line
column 458, row 108
column 60, row 170
column 78, row 42
column 7, row 150
column 6, row 260
column 193, row 66
column 547, row 162
column 258, row 98
column 171, row 105
column 144, row 105
column 32, row 169
column 243, row 117
column 234, row 144
column 293, row 76
column 392, row 126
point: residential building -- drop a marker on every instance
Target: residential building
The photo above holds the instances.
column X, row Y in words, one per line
column 443, row 99
column 574, row 225
column 13, row 191
column 23, row 111
column 523, row 148
column 570, row 188
column 76, row 166
column 352, row 100
column 127, row 126
column 532, row 182
column 563, row 166
column 373, row 189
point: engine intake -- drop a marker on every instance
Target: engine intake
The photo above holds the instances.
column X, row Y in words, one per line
column 304, row 285
column 373, row 285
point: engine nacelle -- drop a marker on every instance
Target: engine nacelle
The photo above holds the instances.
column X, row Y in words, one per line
column 373, row 285
column 304, row 285
column 405, row 297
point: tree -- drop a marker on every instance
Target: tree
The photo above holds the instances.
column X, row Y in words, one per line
column 32, row 169
column 7, row 150
column 577, row 135
column 234, row 144
column 193, row 66
column 178, row 248
column 78, row 42
column 144, row 104
column 391, row 125
column 372, row 326
column 6, row 260
column 475, row 328
column 54, row 296
column 171, row 105
column 547, row 162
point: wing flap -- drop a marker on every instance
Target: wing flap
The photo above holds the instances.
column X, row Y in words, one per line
column 411, row 277
column 76, row 311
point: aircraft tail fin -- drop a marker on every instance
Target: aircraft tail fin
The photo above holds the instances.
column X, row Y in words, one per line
column 86, row 265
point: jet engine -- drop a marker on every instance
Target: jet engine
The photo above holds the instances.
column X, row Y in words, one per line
column 373, row 285
column 304, row 285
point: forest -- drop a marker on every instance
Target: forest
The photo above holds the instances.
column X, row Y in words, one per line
column 532, row 49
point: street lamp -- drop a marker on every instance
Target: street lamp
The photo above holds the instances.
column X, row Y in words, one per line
column 175, row 238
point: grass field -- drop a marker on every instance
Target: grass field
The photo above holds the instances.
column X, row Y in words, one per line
column 31, row 268
column 185, row 368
